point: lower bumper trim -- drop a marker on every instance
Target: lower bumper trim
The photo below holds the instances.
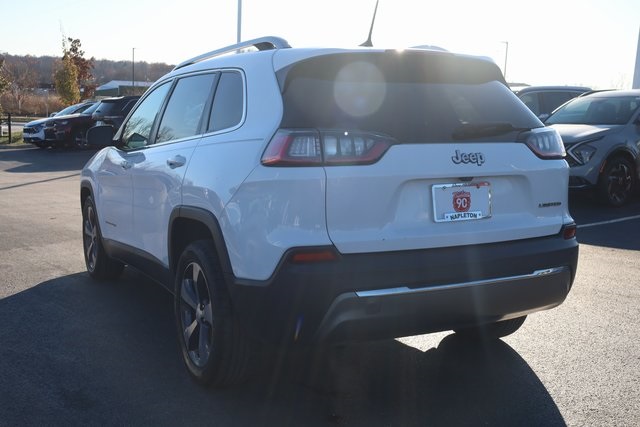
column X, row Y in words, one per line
column 404, row 311
column 431, row 288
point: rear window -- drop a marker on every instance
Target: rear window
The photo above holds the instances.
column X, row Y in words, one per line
column 411, row 96
column 106, row 107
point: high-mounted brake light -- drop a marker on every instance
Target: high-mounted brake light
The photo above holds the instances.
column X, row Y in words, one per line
column 311, row 147
column 546, row 143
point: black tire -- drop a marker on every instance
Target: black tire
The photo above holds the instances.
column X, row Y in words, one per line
column 40, row 145
column 78, row 139
column 617, row 183
column 492, row 331
column 99, row 265
column 214, row 348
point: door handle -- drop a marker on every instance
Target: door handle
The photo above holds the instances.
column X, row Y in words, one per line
column 176, row 161
column 126, row 164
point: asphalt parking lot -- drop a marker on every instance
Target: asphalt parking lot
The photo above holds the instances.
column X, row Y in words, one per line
column 73, row 352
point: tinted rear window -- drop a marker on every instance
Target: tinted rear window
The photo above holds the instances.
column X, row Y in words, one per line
column 413, row 97
column 106, row 107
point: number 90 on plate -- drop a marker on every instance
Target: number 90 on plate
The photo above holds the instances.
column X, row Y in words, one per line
column 461, row 201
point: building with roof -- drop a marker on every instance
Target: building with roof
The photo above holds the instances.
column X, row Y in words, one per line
column 122, row 87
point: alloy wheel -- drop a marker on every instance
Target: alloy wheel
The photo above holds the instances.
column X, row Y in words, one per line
column 619, row 184
column 196, row 315
column 90, row 238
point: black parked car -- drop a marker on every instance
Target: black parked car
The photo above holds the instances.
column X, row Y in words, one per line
column 112, row 111
column 71, row 130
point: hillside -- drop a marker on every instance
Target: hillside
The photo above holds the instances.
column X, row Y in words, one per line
column 104, row 70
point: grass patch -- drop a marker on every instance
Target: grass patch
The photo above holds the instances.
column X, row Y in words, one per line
column 16, row 139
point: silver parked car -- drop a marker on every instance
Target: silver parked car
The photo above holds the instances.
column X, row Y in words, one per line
column 601, row 133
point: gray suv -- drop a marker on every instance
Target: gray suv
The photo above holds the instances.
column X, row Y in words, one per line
column 542, row 100
column 601, row 133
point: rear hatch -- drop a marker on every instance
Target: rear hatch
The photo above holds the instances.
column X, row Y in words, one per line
column 423, row 150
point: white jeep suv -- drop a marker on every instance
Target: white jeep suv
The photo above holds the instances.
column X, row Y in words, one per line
column 319, row 195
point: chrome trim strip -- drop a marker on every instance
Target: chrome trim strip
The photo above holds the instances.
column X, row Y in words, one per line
column 406, row 290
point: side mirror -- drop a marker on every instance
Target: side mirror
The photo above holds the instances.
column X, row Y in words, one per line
column 100, row 136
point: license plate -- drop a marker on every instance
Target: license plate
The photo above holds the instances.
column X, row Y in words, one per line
column 461, row 201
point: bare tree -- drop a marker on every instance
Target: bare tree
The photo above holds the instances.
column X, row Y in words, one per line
column 4, row 82
column 22, row 79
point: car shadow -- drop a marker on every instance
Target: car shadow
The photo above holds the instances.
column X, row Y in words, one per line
column 80, row 351
column 606, row 226
column 29, row 159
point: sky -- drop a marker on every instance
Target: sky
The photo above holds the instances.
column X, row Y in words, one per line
column 556, row 42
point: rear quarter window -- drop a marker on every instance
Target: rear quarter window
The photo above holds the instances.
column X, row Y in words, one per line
column 228, row 102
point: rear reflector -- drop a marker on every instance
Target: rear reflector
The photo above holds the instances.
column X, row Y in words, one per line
column 310, row 147
column 314, row 255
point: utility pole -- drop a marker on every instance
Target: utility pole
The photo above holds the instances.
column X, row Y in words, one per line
column 506, row 55
column 133, row 69
column 636, row 72
column 239, row 38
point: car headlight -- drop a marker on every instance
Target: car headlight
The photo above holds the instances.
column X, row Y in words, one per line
column 583, row 153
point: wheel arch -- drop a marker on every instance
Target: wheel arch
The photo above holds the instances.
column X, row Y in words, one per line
column 620, row 152
column 188, row 224
column 85, row 191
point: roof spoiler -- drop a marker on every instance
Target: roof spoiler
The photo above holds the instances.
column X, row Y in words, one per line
column 262, row 43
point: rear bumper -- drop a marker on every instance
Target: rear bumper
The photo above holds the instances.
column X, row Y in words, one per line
column 405, row 311
column 382, row 295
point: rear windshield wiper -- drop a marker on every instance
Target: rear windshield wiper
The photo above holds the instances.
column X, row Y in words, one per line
column 478, row 130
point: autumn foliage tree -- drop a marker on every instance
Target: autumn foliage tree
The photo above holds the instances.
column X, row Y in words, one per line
column 72, row 50
column 66, row 82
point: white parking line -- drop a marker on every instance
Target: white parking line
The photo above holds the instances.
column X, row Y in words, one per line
column 613, row 221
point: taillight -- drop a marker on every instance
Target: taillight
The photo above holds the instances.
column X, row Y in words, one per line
column 569, row 231
column 309, row 147
column 545, row 143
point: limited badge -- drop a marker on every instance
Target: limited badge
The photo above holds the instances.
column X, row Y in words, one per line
column 461, row 201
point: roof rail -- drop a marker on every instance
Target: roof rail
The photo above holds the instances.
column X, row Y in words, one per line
column 262, row 43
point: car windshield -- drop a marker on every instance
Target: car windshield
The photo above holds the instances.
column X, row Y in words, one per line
column 596, row 110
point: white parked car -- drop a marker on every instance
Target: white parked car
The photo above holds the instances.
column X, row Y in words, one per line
column 320, row 195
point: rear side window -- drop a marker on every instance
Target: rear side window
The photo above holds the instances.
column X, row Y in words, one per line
column 553, row 100
column 531, row 101
column 128, row 106
column 411, row 96
column 228, row 103
column 183, row 114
